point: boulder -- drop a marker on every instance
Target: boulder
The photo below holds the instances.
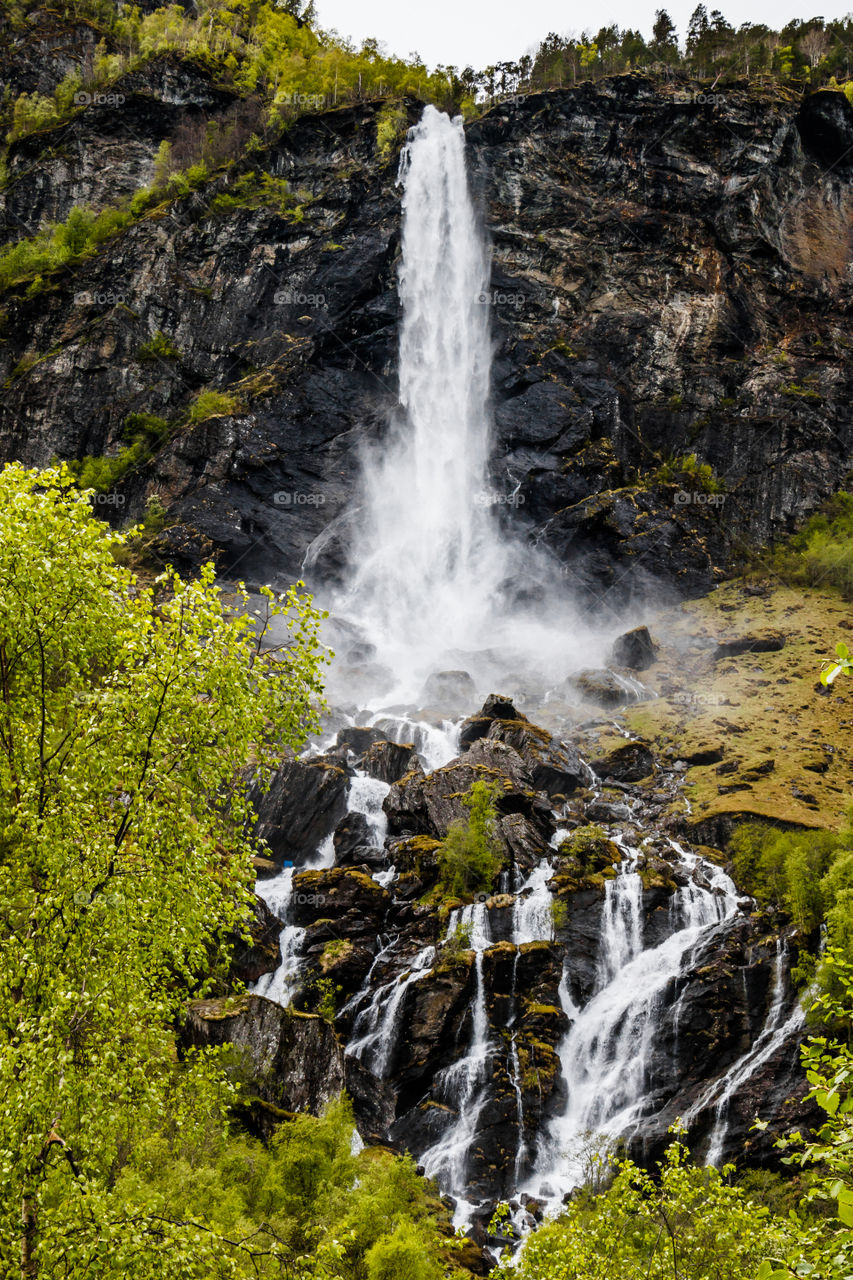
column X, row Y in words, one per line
column 600, row 686
column 352, row 843
column 763, row 642
column 494, row 708
column 627, row 763
column 294, row 1060
column 344, row 900
column 304, row 803
column 554, row 766
column 390, row 761
column 260, row 955
column 634, row 649
column 357, row 739
column 427, row 804
column 448, row 688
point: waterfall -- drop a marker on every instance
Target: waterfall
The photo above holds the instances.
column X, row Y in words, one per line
column 374, row 1030
column 605, row 1053
column 463, row 1085
column 776, row 1030
column 434, row 581
column 427, row 551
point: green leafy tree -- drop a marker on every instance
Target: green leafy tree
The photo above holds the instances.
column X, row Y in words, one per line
column 127, row 716
column 472, row 854
column 687, row 1223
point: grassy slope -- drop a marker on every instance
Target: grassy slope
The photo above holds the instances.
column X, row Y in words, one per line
column 778, row 730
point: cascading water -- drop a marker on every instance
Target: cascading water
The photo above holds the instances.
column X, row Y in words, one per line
column 605, row 1053
column 778, row 1027
column 463, row 1085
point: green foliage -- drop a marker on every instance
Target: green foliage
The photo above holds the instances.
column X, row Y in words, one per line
column 688, row 471
column 308, row 1206
column 401, row 1256
column 158, row 348
column 784, row 867
column 391, row 127
column 821, row 554
column 456, row 946
column 126, row 719
column 213, row 404
column 144, row 433
column 255, row 191
column 686, row 1223
column 60, row 244
column 841, row 664
column 471, row 855
column 809, row 874
column 825, row 1249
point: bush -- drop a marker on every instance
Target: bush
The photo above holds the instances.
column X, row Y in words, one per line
column 158, row 348
column 471, row 854
column 821, row 554
column 213, row 404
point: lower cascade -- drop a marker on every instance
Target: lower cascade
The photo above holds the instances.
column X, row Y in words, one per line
column 611, row 982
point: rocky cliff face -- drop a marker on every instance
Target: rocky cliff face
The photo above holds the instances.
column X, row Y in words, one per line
column 671, row 275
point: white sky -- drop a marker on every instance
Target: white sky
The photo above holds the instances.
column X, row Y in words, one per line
column 479, row 32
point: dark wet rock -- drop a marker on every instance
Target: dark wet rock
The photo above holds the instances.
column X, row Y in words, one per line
column 353, row 843
column 555, row 767
column 294, row 1060
column 390, row 761
column 358, row 740
column 304, row 803
column 429, row 804
column 265, row 868
column 494, row 708
column 627, row 763
column 338, row 903
column 634, row 649
column 710, row 754
column 251, row 959
column 763, row 642
column 825, row 125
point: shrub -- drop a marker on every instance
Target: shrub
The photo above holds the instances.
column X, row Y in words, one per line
column 391, row 126
column 471, row 854
column 821, row 553
column 213, row 404
column 158, row 348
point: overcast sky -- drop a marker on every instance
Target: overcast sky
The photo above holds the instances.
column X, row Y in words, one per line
column 479, row 32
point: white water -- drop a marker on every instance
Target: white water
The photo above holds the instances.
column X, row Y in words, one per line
column 776, row 1030
column 605, row 1054
column 374, row 1031
column 433, row 578
column 463, row 1085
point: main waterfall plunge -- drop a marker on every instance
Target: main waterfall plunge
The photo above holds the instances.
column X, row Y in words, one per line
column 435, row 578
column 493, row 1069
